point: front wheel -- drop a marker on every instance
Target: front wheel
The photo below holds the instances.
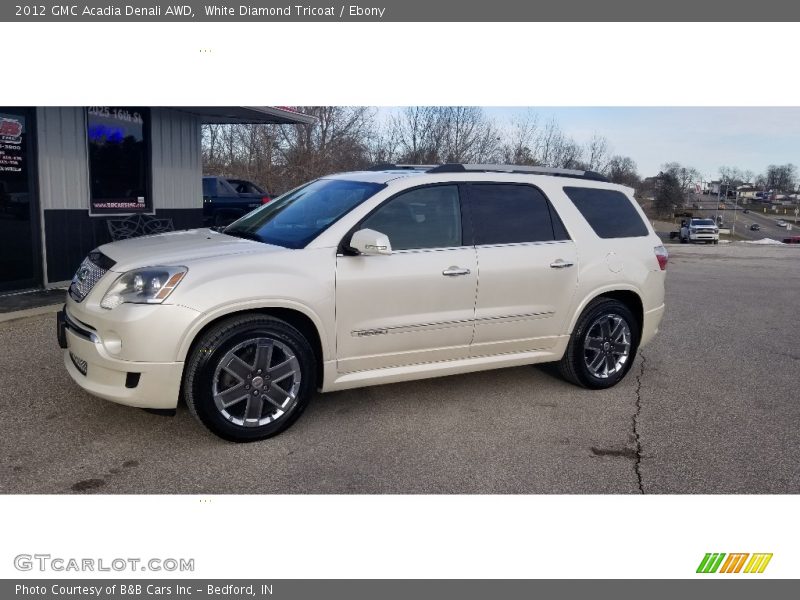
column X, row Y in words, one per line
column 249, row 378
column 603, row 345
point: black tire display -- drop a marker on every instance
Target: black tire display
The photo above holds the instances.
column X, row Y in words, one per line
column 602, row 346
column 249, row 377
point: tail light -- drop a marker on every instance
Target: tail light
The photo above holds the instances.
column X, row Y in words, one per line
column 662, row 256
column 265, row 199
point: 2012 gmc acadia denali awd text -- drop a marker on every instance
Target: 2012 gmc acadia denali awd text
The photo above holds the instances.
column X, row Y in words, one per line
column 396, row 273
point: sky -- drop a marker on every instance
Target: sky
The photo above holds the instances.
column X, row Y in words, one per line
column 750, row 138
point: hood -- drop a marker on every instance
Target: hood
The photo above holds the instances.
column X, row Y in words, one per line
column 179, row 248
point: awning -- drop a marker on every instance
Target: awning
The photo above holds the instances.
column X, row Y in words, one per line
column 269, row 115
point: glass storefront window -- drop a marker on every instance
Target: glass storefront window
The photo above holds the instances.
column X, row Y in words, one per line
column 19, row 252
column 119, row 162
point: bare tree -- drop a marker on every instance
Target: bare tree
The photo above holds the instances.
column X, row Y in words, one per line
column 521, row 146
column 687, row 177
column 597, row 154
column 781, row 178
column 437, row 134
column 622, row 170
column 669, row 193
column 280, row 157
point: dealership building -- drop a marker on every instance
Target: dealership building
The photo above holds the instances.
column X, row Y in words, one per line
column 69, row 175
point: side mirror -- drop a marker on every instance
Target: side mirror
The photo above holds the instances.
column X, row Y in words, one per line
column 370, row 242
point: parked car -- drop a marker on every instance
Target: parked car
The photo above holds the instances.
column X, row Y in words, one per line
column 781, row 223
column 226, row 199
column 699, row 230
column 755, row 227
column 368, row 278
column 795, row 239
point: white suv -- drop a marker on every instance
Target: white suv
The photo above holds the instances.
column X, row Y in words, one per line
column 397, row 273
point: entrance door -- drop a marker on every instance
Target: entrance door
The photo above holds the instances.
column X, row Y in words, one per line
column 19, row 226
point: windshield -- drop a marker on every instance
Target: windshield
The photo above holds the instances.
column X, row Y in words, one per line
column 703, row 222
column 297, row 217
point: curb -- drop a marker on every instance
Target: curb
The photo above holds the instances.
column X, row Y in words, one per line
column 29, row 312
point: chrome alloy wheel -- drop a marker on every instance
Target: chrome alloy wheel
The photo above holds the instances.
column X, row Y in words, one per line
column 256, row 382
column 607, row 345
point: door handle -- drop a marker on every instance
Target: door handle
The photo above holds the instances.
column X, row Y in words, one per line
column 561, row 264
column 455, row 271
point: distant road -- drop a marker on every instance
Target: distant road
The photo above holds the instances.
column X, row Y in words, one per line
column 709, row 208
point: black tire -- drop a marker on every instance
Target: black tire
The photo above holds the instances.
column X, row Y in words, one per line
column 573, row 365
column 204, row 363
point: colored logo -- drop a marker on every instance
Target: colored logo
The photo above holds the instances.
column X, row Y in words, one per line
column 719, row 562
column 10, row 129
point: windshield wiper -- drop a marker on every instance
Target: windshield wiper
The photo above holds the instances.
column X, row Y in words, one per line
column 247, row 235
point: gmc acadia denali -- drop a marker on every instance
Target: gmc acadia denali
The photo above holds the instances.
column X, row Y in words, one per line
column 397, row 273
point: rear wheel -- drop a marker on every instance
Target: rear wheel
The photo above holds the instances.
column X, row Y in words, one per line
column 249, row 378
column 602, row 346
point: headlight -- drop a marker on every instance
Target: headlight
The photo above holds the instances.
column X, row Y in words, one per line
column 151, row 285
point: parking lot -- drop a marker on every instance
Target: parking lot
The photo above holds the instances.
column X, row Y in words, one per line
column 711, row 406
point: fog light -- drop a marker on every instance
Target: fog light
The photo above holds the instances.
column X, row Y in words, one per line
column 79, row 363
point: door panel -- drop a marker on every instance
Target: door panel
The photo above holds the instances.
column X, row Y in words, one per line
column 523, row 301
column 527, row 271
column 401, row 309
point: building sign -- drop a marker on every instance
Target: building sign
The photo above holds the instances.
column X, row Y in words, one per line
column 12, row 127
column 119, row 160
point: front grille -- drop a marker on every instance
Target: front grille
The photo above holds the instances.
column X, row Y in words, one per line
column 79, row 363
column 88, row 274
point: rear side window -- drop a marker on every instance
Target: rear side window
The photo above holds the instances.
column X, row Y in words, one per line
column 609, row 212
column 510, row 214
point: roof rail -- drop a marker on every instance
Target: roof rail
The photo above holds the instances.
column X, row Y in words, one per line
column 554, row 171
column 394, row 167
column 475, row 168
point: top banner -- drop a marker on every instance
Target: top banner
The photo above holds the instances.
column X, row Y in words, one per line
column 412, row 11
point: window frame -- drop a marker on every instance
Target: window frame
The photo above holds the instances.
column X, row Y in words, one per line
column 553, row 213
column 345, row 249
column 147, row 132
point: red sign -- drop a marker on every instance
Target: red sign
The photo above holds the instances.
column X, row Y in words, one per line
column 10, row 128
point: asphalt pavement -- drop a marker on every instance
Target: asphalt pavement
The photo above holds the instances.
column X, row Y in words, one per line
column 710, row 406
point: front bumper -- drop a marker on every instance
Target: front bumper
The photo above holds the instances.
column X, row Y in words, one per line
column 134, row 383
column 703, row 237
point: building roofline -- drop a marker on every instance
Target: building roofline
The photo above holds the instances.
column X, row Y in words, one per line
column 266, row 115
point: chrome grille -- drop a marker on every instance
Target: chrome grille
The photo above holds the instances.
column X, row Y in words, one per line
column 88, row 274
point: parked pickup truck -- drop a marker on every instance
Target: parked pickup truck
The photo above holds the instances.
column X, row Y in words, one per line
column 225, row 199
column 699, row 230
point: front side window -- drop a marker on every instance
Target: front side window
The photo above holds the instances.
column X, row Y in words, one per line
column 609, row 212
column 428, row 217
column 296, row 218
column 119, row 165
column 511, row 214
